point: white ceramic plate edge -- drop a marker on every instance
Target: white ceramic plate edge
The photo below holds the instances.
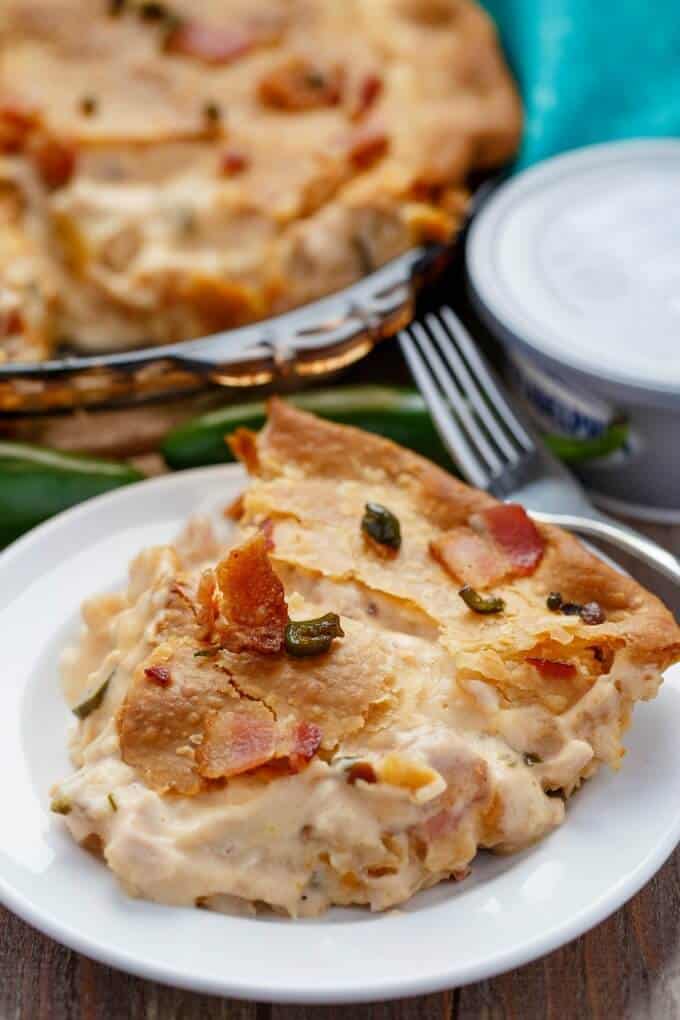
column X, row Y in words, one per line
column 379, row 989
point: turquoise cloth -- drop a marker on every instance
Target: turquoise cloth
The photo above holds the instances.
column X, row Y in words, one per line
column 592, row 70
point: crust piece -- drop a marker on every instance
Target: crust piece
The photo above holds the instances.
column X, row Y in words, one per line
column 296, row 444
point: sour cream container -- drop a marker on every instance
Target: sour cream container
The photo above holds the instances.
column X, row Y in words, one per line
column 575, row 266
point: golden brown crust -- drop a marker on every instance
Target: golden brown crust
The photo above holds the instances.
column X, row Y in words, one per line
column 298, row 441
column 161, row 727
column 294, row 442
column 634, row 614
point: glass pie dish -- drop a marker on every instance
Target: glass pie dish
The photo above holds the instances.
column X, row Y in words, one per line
column 312, row 341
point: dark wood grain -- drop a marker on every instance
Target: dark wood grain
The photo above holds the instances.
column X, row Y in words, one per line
column 628, row 968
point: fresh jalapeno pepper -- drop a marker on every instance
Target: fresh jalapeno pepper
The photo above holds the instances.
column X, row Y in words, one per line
column 36, row 483
column 305, row 638
column 398, row 414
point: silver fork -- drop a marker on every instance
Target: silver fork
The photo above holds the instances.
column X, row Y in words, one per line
column 494, row 446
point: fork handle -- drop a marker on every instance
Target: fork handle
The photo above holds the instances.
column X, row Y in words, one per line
column 644, row 549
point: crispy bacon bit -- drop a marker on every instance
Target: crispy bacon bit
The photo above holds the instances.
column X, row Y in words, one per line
column 552, row 669
column 55, row 161
column 516, row 535
column 370, row 90
column 17, row 122
column 243, row 444
column 11, row 322
column 243, row 604
column 233, row 162
column 306, row 742
column 206, row 605
column 299, row 84
column 267, row 529
column 158, row 675
column 20, row 130
column 367, row 145
column 235, row 510
column 468, row 557
column 237, row 739
column 210, row 44
column 361, row 770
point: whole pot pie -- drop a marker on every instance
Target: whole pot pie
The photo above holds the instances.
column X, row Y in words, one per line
column 381, row 672
column 170, row 170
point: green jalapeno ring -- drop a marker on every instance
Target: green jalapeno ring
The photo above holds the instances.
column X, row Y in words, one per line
column 305, row 638
column 479, row 604
column 94, row 700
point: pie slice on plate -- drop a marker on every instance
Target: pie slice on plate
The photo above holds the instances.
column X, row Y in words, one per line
column 381, row 672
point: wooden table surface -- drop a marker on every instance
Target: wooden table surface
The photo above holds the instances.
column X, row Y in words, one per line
column 628, row 968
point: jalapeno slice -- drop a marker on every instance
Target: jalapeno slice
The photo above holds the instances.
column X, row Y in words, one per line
column 305, row 638
column 61, row 806
column 480, row 603
column 382, row 526
column 91, row 703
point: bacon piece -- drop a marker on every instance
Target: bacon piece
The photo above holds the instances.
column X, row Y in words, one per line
column 158, row 675
column 243, row 444
column 238, row 739
column 367, row 145
column 300, row 85
column 242, row 603
column 17, row 122
column 513, row 531
column 235, row 510
column 361, row 770
column 243, row 736
column 11, row 322
column 469, row 557
column 207, row 609
column 211, row 44
column 20, row 130
column 370, row 90
column 55, row 161
column 552, row 669
column 233, row 162
column 306, row 742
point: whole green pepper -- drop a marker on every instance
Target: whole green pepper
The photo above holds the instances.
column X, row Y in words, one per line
column 36, row 483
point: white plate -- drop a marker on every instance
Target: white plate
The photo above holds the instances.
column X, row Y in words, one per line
column 619, row 829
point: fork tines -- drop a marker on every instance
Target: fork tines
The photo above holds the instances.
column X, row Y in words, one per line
column 471, row 413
